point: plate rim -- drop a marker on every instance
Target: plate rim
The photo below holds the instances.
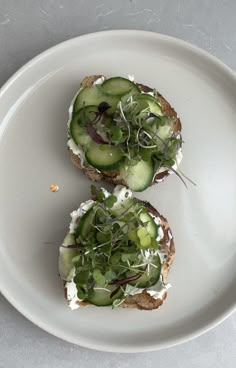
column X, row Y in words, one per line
column 18, row 305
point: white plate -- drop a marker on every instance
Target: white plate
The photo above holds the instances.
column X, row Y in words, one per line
column 33, row 155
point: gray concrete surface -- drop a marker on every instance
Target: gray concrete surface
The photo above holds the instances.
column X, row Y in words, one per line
column 26, row 29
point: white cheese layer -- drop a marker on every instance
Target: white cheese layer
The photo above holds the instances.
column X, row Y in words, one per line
column 83, row 208
column 76, row 149
column 99, row 81
column 122, row 194
column 71, row 292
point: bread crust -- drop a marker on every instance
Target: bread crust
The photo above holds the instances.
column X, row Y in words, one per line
column 143, row 300
column 113, row 177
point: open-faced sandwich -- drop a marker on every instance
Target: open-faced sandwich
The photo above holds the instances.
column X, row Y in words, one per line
column 123, row 132
column 117, row 252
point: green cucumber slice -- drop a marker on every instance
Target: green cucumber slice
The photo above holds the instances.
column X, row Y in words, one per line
column 101, row 297
column 103, row 156
column 149, row 223
column 121, row 208
column 85, row 223
column 139, row 176
column 69, row 240
column 164, row 132
column 94, row 96
column 119, row 86
column 125, row 99
column 151, row 276
column 79, row 134
column 145, row 100
column 85, row 115
column 145, row 217
column 78, row 123
column 65, row 264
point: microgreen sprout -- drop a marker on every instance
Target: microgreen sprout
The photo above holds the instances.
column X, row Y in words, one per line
column 109, row 240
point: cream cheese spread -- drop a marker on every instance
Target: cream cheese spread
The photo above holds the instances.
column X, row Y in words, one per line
column 71, row 292
column 83, row 208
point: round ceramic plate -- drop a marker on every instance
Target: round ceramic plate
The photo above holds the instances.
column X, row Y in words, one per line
column 33, row 220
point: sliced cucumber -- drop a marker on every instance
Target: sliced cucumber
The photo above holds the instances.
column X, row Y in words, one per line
column 149, row 223
column 119, row 86
column 94, row 96
column 138, row 177
column 79, row 133
column 85, row 115
column 85, row 223
column 145, row 100
column 151, row 276
column 164, row 132
column 69, row 240
column 127, row 97
column 102, row 296
column 103, row 156
column 66, row 266
column 81, row 136
column 122, row 208
column 145, row 217
column 79, row 122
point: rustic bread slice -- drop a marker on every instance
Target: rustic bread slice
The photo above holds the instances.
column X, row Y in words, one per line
column 113, row 177
column 143, row 300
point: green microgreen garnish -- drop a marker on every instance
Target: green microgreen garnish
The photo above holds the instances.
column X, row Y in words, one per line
column 110, row 201
column 112, row 240
column 139, row 128
column 147, row 136
column 145, row 130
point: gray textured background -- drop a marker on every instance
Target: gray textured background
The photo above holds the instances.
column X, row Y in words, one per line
column 28, row 27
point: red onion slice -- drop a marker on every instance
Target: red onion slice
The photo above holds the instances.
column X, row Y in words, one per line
column 94, row 135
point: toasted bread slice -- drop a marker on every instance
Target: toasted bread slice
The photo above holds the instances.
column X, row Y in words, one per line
column 112, row 176
column 143, row 300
